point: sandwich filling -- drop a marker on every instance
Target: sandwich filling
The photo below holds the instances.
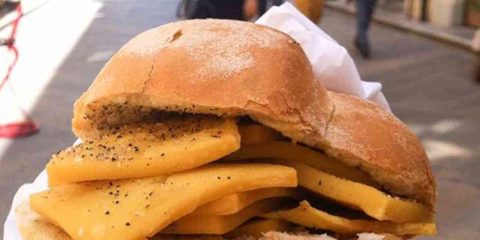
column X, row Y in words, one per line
column 153, row 179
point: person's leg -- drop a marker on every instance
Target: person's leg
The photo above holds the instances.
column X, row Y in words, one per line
column 361, row 20
column 365, row 9
column 277, row 2
column 370, row 8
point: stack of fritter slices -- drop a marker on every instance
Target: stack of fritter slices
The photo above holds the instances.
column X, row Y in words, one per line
column 162, row 179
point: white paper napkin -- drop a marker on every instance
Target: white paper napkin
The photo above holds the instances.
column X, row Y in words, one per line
column 331, row 62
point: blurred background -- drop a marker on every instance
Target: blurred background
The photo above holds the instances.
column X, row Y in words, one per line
column 424, row 52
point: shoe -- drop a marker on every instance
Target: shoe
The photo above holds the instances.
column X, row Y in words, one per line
column 363, row 47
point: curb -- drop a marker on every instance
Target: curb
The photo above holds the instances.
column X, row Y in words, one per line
column 421, row 29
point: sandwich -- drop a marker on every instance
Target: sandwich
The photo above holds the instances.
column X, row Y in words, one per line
column 218, row 129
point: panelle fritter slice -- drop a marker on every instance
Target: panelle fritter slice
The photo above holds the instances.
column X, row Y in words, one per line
column 33, row 226
column 139, row 208
column 237, row 201
column 146, row 150
column 373, row 202
column 257, row 133
column 221, row 224
column 309, row 216
column 295, row 152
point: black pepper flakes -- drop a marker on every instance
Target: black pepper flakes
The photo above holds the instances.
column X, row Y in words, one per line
column 107, row 212
column 127, row 224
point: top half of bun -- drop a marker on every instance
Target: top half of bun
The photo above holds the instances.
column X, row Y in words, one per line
column 232, row 68
column 214, row 67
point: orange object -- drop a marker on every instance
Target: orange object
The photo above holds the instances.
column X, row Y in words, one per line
column 311, row 8
column 20, row 129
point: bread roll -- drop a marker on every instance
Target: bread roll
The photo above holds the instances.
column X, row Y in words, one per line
column 233, row 68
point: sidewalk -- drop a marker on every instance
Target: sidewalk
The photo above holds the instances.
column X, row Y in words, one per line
column 391, row 14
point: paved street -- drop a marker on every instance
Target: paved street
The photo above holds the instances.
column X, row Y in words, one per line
column 428, row 84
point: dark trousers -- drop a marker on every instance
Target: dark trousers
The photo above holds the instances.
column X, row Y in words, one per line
column 193, row 9
column 264, row 4
column 365, row 9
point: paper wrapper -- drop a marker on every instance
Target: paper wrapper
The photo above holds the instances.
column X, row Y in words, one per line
column 331, row 63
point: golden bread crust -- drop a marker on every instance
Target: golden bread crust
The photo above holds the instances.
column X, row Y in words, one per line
column 363, row 134
column 217, row 67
